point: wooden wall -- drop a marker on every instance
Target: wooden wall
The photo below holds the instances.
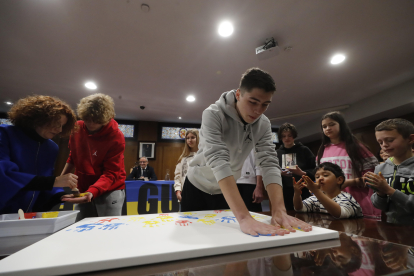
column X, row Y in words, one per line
column 166, row 153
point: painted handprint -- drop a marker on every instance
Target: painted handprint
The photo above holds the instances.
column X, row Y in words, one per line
column 134, row 219
column 86, row 227
column 210, row 216
column 189, row 217
column 163, row 214
column 111, row 226
column 151, row 223
column 218, row 211
column 208, row 222
column 188, row 213
column 182, row 222
column 256, row 217
column 165, row 218
column 107, row 220
column 227, row 219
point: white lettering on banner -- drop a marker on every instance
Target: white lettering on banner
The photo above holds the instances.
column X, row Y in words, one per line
column 344, row 162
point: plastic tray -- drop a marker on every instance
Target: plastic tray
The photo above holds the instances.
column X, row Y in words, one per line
column 10, row 225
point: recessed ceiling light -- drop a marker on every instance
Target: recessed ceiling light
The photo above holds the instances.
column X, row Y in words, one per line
column 190, row 98
column 336, row 59
column 179, row 118
column 91, row 85
column 8, row 103
column 225, row 29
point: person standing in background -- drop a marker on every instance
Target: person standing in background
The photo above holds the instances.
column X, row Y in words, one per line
column 250, row 184
column 341, row 147
column 97, row 155
column 303, row 159
column 190, row 148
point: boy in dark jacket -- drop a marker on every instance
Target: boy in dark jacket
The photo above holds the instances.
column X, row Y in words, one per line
column 304, row 163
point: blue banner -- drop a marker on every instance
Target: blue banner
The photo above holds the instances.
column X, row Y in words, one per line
column 150, row 197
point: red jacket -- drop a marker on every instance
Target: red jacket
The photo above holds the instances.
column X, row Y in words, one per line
column 98, row 159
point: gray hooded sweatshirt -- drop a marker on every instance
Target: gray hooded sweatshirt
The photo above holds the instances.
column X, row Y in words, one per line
column 399, row 207
column 225, row 143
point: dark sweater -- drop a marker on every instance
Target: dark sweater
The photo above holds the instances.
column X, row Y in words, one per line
column 305, row 160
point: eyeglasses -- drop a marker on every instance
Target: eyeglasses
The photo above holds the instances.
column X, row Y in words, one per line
column 143, row 162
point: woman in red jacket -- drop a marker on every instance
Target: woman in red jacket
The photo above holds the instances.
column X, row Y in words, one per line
column 97, row 154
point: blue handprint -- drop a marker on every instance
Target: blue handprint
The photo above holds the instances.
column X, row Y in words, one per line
column 86, row 227
column 111, row 226
column 228, row 219
column 189, row 217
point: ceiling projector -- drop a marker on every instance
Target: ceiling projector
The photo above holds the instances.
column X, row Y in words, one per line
column 269, row 49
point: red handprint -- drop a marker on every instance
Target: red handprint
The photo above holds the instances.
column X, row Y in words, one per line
column 182, row 222
column 107, row 220
column 218, row 211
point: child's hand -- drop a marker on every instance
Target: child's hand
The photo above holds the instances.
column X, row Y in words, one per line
column 296, row 170
column 297, row 187
column 378, row 182
column 312, row 186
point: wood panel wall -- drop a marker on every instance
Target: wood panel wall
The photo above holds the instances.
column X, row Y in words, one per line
column 166, row 153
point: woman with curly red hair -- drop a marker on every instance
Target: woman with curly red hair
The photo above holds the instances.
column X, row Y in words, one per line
column 27, row 155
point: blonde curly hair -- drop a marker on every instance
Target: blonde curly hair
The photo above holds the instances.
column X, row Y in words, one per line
column 38, row 111
column 98, row 108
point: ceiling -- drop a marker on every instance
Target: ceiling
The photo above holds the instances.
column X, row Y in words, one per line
column 156, row 59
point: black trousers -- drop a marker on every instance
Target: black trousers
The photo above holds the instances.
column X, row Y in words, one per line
column 193, row 199
column 246, row 192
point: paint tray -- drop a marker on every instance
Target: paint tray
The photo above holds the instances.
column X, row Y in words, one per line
column 10, row 225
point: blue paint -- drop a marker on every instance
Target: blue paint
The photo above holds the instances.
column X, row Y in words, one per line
column 111, row 226
column 188, row 217
column 86, row 227
column 228, row 219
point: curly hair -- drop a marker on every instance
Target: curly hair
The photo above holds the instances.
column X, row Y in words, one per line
column 38, row 111
column 98, row 108
column 287, row 127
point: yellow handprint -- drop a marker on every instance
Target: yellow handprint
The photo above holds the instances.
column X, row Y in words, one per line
column 210, row 216
column 165, row 218
column 188, row 213
column 256, row 217
column 208, row 222
column 135, row 219
column 150, row 223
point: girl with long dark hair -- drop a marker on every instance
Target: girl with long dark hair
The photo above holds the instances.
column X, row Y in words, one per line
column 341, row 147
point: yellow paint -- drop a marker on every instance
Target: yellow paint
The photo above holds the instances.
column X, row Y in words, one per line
column 188, row 213
column 150, row 223
column 50, row 215
column 135, row 219
column 165, row 218
column 61, row 206
column 208, row 222
column 210, row 216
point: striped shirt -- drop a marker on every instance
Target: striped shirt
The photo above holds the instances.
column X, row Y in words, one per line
column 349, row 206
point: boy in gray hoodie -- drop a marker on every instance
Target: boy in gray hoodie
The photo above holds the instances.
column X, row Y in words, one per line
column 393, row 179
column 230, row 129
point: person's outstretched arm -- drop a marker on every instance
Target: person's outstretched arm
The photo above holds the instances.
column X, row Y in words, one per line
column 248, row 225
